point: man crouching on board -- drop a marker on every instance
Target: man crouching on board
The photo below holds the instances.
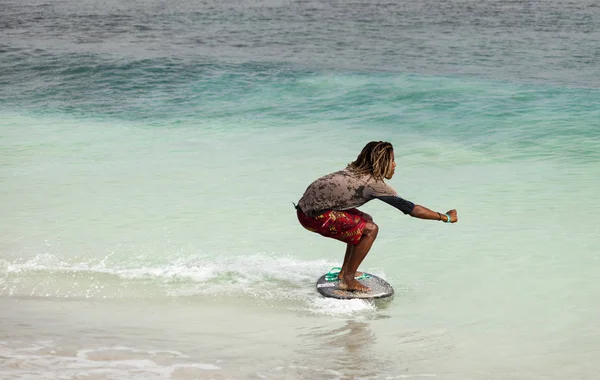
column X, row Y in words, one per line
column 328, row 206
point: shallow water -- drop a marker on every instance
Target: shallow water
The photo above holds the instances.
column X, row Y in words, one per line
column 151, row 152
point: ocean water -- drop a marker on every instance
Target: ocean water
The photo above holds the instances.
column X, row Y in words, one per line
column 150, row 152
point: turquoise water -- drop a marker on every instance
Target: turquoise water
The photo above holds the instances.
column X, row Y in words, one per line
column 151, row 152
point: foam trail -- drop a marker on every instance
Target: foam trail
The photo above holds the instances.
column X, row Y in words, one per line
column 267, row 278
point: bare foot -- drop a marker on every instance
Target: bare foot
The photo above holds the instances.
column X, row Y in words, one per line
column 356, row 274
column 352, row 285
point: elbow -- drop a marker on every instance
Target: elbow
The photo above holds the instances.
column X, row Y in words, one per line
column 417, row 212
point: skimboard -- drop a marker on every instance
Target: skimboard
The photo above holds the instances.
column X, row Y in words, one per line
column 328, row 284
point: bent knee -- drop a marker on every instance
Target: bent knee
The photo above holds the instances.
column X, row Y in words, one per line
column 371, row 228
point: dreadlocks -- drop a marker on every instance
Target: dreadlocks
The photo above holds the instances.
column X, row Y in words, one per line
column 375, row 158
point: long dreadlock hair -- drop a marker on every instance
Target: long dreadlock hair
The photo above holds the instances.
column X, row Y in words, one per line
column 375, row 158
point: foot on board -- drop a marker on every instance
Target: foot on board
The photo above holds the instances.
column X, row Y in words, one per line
column 352, row 285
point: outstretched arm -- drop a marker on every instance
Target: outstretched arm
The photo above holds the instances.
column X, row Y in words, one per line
column 423, row 212
column 418, row 211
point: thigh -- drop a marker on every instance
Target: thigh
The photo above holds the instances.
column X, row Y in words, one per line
column 363, row 215
column 346, row 226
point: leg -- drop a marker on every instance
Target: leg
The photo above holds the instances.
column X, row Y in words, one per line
column 356, row 256
column 346, row 258
column 349, row 248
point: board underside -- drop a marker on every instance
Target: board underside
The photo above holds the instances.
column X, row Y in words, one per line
column 379, row 289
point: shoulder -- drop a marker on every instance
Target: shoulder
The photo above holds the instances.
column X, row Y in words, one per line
column 379, row 187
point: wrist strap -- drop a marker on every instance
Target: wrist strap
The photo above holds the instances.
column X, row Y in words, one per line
column 448, row 216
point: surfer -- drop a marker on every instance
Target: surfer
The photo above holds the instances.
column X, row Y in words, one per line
column 328, row 206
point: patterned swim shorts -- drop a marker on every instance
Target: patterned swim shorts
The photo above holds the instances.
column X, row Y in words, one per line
column 347, row 225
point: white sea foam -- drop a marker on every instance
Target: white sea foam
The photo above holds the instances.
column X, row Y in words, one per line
column 263, row 277
column 47, row 360
column 335, row 307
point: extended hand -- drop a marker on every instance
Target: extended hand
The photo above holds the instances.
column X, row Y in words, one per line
column 453, row 216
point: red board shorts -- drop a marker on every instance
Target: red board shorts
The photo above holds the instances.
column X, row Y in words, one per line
column 347, row 225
